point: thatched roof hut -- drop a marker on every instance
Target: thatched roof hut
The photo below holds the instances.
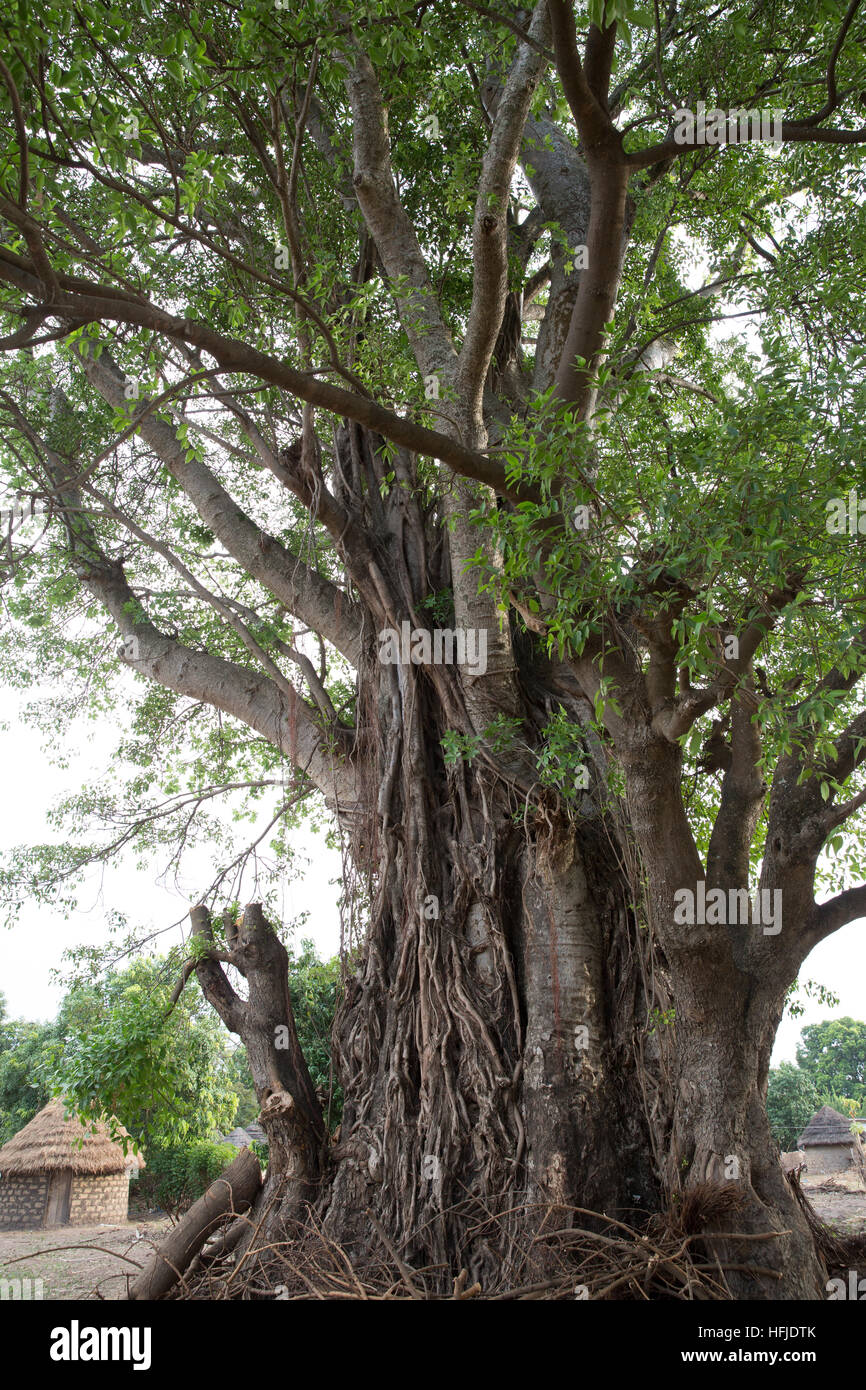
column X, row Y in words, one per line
column 51, row 1143
column 57, row 1171
column 827, row 1126
column 830, row 1144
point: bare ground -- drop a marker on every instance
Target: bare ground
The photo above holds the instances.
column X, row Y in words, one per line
column 76, row 1262
column 842, row 1210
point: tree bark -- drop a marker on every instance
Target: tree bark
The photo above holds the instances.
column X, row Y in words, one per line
column 291, row 1114
column 721, row 1135
column 487, row 1044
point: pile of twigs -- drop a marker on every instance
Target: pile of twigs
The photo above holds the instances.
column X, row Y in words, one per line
column 573, row 1254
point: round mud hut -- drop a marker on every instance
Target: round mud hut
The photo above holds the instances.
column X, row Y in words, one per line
column 59, row 1172
column 828, row 1143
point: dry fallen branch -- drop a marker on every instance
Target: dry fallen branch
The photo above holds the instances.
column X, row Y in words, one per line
column 233, row 1191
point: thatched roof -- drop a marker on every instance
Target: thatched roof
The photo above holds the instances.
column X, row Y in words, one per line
column 256, row 1132
column 827, row 1126
column 238, row 1137
column 49, row 1143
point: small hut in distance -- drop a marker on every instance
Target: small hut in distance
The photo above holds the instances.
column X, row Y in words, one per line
column 48, row 1179
column 829, row 1144
column 241, row 1138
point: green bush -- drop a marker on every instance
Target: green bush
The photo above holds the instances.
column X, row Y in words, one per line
column 177, row 1174
column 261, row 1152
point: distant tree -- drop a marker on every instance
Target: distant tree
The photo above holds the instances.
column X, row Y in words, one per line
column 833, row 1053
column 846, row 1105
column 241, row 1081
column 24, row 1087
column 792, row 1099
column 314, row 987
column 163, row 1071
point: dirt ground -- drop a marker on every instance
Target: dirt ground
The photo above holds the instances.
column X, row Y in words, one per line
column 69, row 1271
column 844, row 1212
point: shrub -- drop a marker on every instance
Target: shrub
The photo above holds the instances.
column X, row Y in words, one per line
column 177, row 1174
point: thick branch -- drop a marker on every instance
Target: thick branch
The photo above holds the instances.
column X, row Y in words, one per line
column 314, row 600
column 591, row 119
column 211, row 976
column 792, row 132
column 490, row 227
column 390, row 227
column 86, row 302
column 838, row 912
column 743, row 790
column 678, row 718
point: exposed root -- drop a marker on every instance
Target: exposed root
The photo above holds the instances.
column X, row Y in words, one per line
column 564, row 1253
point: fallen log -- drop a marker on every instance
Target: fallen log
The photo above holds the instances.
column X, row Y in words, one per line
column 233, row 1192
column 225, row 1244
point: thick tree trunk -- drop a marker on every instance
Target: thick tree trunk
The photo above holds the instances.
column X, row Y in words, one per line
column 489, row 1052
column 728, row 982
column 502, row 1050
column 721, row 1135
column 505, row 1044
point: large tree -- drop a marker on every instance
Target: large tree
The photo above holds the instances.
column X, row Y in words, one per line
column 326, row 321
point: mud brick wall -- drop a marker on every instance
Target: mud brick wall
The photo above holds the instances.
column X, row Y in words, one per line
column 827, row 1158
column 99, row 1199
column 22, row 1201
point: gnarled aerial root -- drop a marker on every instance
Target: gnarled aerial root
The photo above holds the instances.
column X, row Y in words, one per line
column 561, row 1253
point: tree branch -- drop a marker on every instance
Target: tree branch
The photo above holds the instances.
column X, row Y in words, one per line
column 391, row 229
column 591, row 120
column 211, row 976
column 277, row 713
column 86, row 302
column 838, row 912
column 490, row 226
column 315, row 600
